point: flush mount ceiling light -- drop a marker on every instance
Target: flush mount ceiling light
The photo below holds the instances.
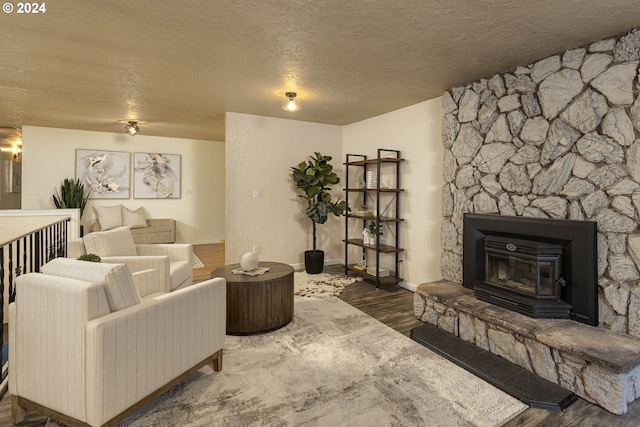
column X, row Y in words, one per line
column 132, row 128
column 291, row 104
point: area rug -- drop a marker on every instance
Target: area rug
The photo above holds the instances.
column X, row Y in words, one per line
column 321, row 285
column 331, row 366
column 196, row 261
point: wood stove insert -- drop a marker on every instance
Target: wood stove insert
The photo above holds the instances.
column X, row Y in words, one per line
column 578, row 268
column 523, row 276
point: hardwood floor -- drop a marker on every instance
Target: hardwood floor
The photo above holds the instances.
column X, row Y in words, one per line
column 394, row 307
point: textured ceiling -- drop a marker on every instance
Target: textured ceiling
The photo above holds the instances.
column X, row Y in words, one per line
column 178, row 66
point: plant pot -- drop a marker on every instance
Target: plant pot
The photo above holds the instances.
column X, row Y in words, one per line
column 313, row 261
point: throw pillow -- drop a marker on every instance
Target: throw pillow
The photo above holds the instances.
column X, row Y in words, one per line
column 121, row 290
column 116, row 242
column 109, row 216
column 133, row 219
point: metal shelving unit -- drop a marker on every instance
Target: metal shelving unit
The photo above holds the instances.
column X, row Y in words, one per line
column 380, row 194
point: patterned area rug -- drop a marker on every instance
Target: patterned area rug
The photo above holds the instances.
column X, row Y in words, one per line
column 196, row 262
column 331, row 366
column 323, row 285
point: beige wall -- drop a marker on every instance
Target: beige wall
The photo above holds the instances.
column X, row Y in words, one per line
column 417, row 132
column 49, row 156
column 260, row 151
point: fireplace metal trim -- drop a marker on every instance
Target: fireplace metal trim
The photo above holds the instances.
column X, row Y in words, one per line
column 578, row 239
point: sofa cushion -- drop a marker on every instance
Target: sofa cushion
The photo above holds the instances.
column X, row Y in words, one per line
column 109, row 217
column 116, row 242
column 133, row 219
column 121, row 290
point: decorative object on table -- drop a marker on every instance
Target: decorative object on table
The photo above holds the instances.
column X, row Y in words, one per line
column 105, row 173
column 313, row 178
column 249, row 265
column 258, row 271
column 156, row 176
column 249, row 261
column 90, row 258
column 71, row 195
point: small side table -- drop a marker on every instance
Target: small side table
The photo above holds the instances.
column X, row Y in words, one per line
column 258, row 304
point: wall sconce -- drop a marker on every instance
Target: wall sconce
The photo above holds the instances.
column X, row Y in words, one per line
column 132, row 128
column 291, row 104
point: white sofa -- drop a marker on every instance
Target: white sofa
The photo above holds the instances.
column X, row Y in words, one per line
column 173, row 261
column 86, row 347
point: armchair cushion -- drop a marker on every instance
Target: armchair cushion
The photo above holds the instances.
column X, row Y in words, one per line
column 108, row 216
column 116, row 242
column 121, row 289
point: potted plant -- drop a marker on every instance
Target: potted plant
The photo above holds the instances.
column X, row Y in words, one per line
column 372, row 232
column 71, row 195
column 314, row 178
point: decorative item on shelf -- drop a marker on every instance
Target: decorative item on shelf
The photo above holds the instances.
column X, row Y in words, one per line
column 383, row 271
column 374, row 232
column 362, row 183
column 314, row 178
column 371, row 180
column 362, row 211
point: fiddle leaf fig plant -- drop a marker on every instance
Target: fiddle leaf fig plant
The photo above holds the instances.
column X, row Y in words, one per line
column 314, row 178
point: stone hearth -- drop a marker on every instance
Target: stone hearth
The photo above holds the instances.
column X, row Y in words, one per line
column 599, row 365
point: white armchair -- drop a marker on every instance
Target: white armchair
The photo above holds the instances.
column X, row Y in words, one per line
column 116, row 246
column 86, row 349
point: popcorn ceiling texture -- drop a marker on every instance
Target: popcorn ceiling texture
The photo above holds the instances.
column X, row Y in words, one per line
column 557, row 139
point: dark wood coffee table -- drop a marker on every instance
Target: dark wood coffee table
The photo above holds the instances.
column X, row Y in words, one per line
column 258, row 304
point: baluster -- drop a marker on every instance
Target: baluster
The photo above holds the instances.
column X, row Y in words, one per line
column 11, row 290
column 18, row 269
column 25, row 252
column 40, row 249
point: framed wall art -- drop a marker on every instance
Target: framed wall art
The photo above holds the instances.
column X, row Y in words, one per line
column 156, row 176
column 106, row 173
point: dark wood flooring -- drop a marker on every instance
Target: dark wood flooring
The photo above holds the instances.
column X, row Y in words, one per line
column 394, row 307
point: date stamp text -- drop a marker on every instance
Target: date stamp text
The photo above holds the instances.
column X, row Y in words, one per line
column 24, row 8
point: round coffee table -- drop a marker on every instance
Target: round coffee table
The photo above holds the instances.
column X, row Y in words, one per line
column 258, row 304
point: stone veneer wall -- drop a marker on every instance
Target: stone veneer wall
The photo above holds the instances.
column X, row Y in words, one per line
column 558, row 139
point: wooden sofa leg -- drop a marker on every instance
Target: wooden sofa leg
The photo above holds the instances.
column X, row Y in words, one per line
column 18, row 413
column 217, row 361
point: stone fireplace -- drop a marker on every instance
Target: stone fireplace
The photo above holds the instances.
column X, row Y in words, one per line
column 567, row 248
column 556, row 140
